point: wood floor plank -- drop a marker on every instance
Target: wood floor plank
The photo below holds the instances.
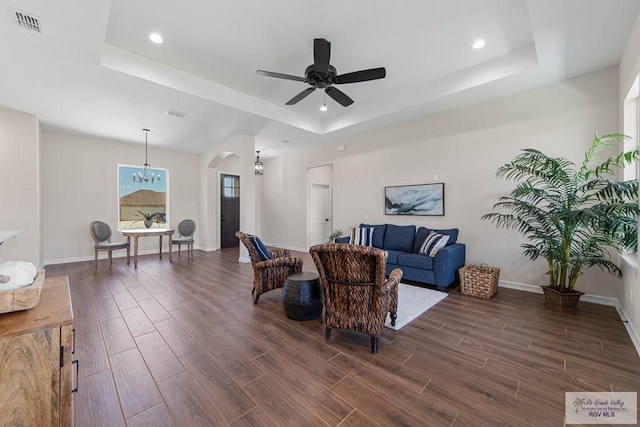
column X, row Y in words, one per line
column 135, row 385
column 139, row 293
column 91, row 351
column 298, row 356
column 158, row 416
column 257, row 417
column 225, row 356
column 358, row 419
column 158, row 356
column 96, row 403
column 167, row 301
column 85, row 320
column 124, row 300
column 188, row 402
column 230, row 399
column 294, row 377
column 395, row 391
column 375, row 405
column 177, row 338
column 117, row 337
column 154, row 310
column 281, row 404
column 107, row 309
column 137, row 321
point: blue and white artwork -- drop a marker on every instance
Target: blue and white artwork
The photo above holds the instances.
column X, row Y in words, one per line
column 424, row 199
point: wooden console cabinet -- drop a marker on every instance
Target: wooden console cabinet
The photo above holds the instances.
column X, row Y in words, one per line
column 36, row 360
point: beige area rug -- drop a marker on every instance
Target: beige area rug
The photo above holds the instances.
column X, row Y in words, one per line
column 412, row 302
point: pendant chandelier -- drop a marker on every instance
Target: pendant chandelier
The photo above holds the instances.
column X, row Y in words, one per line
column 258, row 164
column 145, row 176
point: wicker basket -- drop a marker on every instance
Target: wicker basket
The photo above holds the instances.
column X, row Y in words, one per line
column 479, row 280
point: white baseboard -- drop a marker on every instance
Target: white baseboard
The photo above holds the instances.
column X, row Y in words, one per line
column 102, row 255
column 244, row 259
column 520, row 286
column 211, row 249
column 596, row 299
column 633, row 334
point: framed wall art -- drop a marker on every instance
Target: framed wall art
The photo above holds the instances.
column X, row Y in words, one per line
column 142, row 197
column 422, row 199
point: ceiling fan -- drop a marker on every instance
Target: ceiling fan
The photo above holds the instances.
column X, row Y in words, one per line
column 322, row 75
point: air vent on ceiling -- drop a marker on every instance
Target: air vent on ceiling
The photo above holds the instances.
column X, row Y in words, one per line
column 26, row 21
column 175, row 113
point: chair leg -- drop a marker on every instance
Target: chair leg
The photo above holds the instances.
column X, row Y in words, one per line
column 374, row 345
column 128, row 256
column 95, row 259
column 327, row 333
column 394, row 316
column 110, row 258
column 253, row 290
column 255, row 301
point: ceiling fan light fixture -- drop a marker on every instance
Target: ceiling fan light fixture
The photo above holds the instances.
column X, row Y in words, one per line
column 478, row 44
column 323, row 107
column 156, row 38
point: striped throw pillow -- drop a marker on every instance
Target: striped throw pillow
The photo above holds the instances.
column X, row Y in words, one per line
column 261, row 249
column 433, row 243
column 362, row 236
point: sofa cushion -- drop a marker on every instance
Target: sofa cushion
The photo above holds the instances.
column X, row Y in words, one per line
column 399, row 237
column 415, row 261
column 433, row 243
column 378, row 234
column 392, row 256
column 261, row 249
column 423, row 232
column 362, row 236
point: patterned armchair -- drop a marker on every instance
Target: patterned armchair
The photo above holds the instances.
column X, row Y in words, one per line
column 271, row 273
column 356, row 294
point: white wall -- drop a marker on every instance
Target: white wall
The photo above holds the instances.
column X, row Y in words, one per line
column 629, row 294
column 79, row 185
column 19, row 197
column 463, row 148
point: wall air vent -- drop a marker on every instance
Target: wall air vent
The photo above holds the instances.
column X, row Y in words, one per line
column 175, row 113
column 26, row 21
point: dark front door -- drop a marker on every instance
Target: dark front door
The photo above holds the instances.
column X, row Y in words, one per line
column 229, row 210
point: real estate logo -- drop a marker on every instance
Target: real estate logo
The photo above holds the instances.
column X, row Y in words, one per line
column 601, row 408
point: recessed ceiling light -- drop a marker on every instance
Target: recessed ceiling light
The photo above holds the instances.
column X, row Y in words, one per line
column 478, row 44
column 156, row 38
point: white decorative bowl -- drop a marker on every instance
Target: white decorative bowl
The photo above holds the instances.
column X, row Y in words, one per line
column 20, row 273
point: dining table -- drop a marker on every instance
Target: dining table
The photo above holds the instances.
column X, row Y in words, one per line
column 148, row 232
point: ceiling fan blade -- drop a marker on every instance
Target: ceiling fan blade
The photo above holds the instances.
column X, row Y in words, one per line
column 302, row 95
column 361, row 76
column 321, row 55
column 339, row 96
column 280, row 76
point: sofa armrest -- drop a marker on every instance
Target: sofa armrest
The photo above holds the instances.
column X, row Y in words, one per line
column 447, row 262
column 344, row 239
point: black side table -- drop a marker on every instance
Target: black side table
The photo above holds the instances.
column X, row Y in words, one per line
column 301, row 298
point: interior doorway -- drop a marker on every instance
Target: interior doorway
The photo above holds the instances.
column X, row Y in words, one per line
column 320, row 217
column 229, row 210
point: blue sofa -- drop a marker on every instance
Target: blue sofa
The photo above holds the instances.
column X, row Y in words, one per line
column 402, row 243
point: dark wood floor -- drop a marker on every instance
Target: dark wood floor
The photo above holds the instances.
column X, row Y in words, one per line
column 182, row 344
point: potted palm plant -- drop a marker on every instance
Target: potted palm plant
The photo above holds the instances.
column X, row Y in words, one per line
column 571, row 216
